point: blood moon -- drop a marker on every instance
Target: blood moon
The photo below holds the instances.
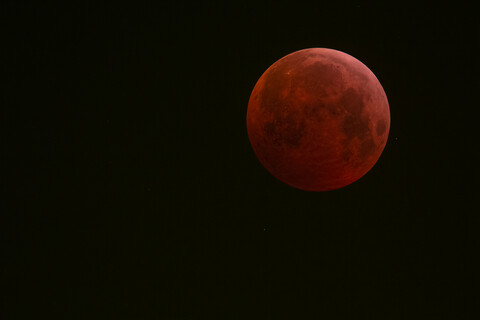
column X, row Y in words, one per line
column 318, row 119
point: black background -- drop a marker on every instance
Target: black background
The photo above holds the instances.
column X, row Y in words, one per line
column 131, row 190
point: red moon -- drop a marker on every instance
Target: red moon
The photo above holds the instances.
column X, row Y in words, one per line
column 318, row 119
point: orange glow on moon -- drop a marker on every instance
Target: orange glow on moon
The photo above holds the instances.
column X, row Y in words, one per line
column 318, row 119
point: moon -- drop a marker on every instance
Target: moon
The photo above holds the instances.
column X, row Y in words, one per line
column 318, row 119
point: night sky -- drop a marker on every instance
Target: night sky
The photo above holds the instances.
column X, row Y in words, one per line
column 130, row 190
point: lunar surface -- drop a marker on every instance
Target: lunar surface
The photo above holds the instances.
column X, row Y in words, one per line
column 318, row 119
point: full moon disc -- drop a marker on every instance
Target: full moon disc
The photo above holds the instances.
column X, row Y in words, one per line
column 318, row 119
